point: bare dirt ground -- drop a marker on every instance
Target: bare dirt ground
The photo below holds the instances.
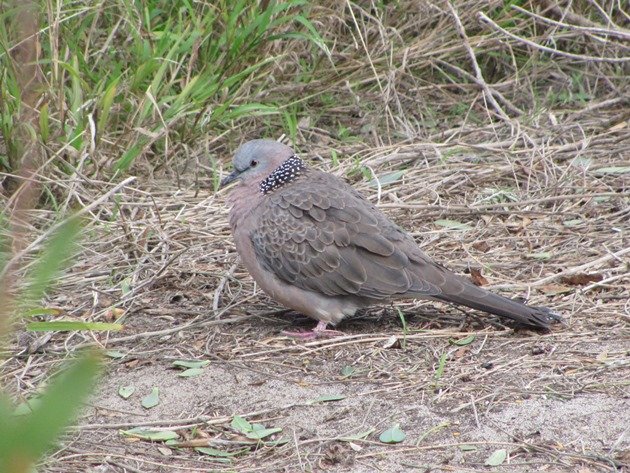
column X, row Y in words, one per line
column 541, row 219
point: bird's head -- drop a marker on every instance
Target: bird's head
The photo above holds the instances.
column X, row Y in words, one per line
column 258, row 161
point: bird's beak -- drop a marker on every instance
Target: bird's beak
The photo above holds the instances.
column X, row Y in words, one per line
column 234, row 175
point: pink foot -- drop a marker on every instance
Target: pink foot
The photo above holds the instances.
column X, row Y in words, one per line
column 319, row 331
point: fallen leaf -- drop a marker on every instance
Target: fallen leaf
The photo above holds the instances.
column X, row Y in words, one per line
column 481, row 246
column 348, row 371
column 151, row 400
column 611, row 170
column 387, row 179
column 453, row 224
column 392, row 342
column 191, row 372
column 462, row 341
column 240, row 424
column 358, row 436
column 477, row 278
column 150, row 434
column 126, row 391
column 115, row 354
column 355, row 447
column 191, row 363
column 259, row 434
column 497, row 457
column 581, row 279
column 393, row 435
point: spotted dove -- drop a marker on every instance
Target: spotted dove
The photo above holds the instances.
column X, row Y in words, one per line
column 316, row 245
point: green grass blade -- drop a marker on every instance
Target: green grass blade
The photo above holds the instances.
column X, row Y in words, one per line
column 71, row 325
column 50, row 261
column 23, row 441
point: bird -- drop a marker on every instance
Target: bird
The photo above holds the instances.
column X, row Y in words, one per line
column 316, row 245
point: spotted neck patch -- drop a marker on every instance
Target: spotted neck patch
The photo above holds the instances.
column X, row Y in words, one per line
column 286, row 172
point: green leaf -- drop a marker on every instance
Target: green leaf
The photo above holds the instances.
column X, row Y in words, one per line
column 106, row 105
column 393, row 435
column 327, row 398
column 191, row 363
column 441, row 365
column 24, row 441
column 453, row 225
column 348, row 371
column 387, row 179
column 358, row 436
column 150, row 434
column 240, row 424
column 41, row 311
column 126, row 391
column 71, row 325
column 50, row 261
column 213, row 452
column 44, row 127
column 259, row 434
column 115, row 354
column 572, row 223
column 276, row 443
column 612, row 170
column 462, row 341
column 128, row 157
column 191, row 372
column 468, row 448
column 497, row 457
column 151, row 400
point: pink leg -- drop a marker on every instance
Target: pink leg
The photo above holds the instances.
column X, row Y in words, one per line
column 320, row 330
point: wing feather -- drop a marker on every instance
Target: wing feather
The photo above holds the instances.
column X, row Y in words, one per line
column 319, row 234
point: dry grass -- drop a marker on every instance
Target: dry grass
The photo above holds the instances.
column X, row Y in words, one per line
column 490, row 132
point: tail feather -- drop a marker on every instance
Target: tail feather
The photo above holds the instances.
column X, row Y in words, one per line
column 480, row 299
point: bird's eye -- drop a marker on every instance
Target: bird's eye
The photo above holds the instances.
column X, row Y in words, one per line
column 254, row 163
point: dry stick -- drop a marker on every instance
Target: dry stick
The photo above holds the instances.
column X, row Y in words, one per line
column 466, row 75
column 585, row 29
column 579, row 57
column 219, row 289
column 569, row 271
column 157, row 333
column 206, row 420
column 480, row 81
column 365, row 48
column 475, row 208
column 604, row 282
column 597, row 105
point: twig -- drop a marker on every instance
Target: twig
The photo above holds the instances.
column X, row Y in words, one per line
column 479, row 80
column 579, row 57
column 569, row 271
column 585, row 29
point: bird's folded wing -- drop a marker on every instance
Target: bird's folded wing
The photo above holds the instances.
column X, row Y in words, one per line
column 324, row 237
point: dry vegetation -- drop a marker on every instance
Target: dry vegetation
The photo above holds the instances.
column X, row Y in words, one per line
column 497, row 133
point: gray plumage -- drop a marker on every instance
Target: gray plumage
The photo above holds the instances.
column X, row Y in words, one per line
column 316, row 245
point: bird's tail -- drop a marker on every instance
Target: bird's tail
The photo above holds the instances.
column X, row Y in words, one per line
column 478, row 298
